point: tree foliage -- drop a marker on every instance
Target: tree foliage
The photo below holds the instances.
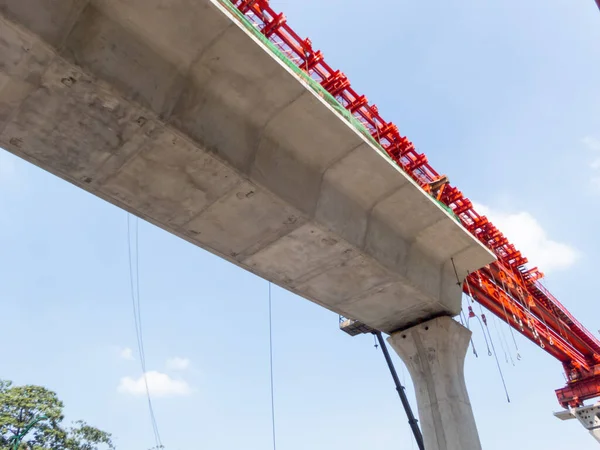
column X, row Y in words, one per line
column 20, row 404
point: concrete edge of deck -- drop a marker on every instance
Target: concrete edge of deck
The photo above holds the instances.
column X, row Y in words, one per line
column 469, row 258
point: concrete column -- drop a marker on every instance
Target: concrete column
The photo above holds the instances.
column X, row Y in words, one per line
column 434, row 353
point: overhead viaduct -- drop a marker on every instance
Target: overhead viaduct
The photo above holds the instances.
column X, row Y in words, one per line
column 175, row 112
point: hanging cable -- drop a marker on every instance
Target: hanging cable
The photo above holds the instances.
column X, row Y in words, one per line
column 460, row 316
column 483, row 321
column 525, row 303
column 482, row 315
column 470, row 295
column 472, row 315
column 501, row 331
column 496, row 357
column 137, row 317
column 271, row 368
column 458, row 283
column 464, row 322
column 508, row 321
column 503, row 341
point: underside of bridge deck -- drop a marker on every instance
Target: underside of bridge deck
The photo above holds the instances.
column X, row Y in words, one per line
column 176, row 113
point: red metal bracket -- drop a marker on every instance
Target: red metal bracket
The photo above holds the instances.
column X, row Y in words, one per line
column 548, row 322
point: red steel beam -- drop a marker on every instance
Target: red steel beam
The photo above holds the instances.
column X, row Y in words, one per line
column 579, row 390
column 508, row 288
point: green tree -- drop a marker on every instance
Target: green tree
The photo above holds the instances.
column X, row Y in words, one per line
column 19, row 405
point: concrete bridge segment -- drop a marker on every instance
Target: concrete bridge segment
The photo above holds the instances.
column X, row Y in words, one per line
column 172, row 110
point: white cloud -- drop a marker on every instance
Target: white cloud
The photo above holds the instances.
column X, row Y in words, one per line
column 126, row 353
column 177, row 363
column 159, row 385
column 591, row 143
column 528, row 235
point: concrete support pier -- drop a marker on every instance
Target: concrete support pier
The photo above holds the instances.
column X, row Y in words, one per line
column 434, row 352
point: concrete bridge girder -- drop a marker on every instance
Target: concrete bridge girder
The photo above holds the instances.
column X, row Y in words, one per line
column 175, row 112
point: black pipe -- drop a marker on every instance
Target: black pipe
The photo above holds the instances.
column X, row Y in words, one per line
column 414, row 423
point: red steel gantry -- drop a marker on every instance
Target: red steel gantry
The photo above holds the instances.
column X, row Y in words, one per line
column 507, row 287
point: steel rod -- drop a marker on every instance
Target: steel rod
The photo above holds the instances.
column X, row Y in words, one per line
column 413, row 422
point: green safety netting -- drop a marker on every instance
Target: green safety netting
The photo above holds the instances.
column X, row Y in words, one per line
column 314, row 85
column 449, row 211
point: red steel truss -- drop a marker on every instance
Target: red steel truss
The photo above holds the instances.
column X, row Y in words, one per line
column 507, row 287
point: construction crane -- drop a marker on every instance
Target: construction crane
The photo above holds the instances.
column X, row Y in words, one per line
column 507, row 288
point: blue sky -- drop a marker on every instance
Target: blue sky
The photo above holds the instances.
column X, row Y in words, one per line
column 502, row 96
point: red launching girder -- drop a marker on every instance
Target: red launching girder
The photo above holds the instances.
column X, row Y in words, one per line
column 507, row 287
